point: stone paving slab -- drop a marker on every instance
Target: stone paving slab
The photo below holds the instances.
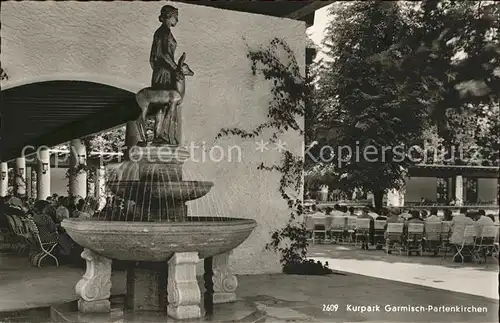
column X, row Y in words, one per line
column 436, row 272
column 282, row 297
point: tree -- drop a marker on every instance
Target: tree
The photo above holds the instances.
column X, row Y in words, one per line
column 398, row 69
column 362, row 97
column 456, row 54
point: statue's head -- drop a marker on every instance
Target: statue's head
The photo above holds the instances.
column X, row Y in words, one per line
column 169, row 16
column 183, row 67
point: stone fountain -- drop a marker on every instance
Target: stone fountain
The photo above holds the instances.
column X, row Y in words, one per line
column 156, row 236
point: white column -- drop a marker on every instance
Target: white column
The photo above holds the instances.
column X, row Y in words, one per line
column 100, row 186
column 33, row 182
column 324, row 193
column 393, row 198
column 91, row 184
column 77, row 179
column 459, row 190
column 28, row 181
column 4, row 179
column 20, row 176
column 43, row 174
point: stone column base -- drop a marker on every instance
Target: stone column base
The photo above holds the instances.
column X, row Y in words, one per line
column 184, row 296
column 223, row 297
column 100, row 306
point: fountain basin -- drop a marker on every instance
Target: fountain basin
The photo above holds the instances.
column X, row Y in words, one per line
column 157, row 241
column 171, row 191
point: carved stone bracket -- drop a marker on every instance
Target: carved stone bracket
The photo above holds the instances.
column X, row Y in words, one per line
column 183, row 292
column 94, row 288
column 225, row 282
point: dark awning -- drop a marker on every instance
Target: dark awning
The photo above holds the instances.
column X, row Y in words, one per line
column 444, row 171
column 49, row 113
column 300, row 9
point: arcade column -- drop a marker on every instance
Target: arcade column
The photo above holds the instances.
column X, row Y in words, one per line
column 78, row 177
column 20, row 181
column 4, row 179
column 43, row 174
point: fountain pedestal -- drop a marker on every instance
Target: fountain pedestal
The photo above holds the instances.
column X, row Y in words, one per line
column 224, row 281
column 94, row 288
column 184, row 296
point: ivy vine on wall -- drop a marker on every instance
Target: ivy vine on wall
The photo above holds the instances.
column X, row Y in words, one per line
column 277, row 63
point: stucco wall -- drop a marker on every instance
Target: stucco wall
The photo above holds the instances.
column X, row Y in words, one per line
column 109, row 42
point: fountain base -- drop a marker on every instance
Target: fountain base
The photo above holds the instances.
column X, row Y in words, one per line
column 147, row 286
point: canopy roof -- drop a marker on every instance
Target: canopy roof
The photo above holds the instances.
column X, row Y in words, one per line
column 48, row 113
column 434, row 170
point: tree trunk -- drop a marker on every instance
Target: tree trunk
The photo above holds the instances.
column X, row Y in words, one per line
column 378, row 198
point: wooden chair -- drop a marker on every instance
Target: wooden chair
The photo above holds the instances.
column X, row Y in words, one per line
column 445, row 237
column 338, row 228
column 379, row 233
column 316, row 225
column 351, row 227
column 414, row 238
column 394, row 236
column 22, row 242
column 467, row 244
column 362, row 230
column 485, row 243
column 432, row 236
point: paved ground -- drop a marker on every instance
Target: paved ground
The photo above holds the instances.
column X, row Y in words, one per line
column 436, row 272
column 331, row 298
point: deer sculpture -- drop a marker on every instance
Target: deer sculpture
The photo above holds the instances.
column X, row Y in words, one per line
column 167, row 102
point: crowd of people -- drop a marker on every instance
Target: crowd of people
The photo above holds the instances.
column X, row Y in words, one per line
column 477, row 218
column 48, row 215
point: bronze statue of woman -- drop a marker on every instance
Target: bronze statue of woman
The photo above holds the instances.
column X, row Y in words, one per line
column 164, row 67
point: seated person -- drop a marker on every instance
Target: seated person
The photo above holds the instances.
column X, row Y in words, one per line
column 351, row 211
column 317, row 212
column 47, row 228
column 434, row 217
column 448, row 215
column 393, row 218
column 481, row 221
column 458, row 224
column 62, row 211
column 337, row 211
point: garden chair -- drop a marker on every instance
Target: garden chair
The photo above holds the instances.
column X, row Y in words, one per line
column 467, row 247
column 432, row 236
column 394, row 236
column 362, row 230
column 445, row 237
column 379, row 233
column 318, row 225
column 485, row 243
column 44, row 248
column 338, row 228
column 22, row 233
column 414, row 238
column 351, row 227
